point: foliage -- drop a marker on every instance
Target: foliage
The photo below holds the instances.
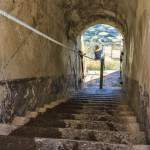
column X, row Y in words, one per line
column 109, row 65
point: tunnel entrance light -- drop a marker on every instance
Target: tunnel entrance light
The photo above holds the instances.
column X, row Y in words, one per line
column 110, row 41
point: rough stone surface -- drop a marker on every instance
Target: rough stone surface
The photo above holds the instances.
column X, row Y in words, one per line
column 65, row 21
column 114, row 12
column 45, row 144
column 33, row 70
column 50, row 131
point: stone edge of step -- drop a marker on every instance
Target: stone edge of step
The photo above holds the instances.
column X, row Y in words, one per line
column 18, row 121
column 131, row 127
column 48, row 141
column 6, row 129
column 140, row 134
column 134, row 135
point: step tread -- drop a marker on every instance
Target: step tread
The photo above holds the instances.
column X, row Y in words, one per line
column 82, row 134
column 84, row 124
column 18, row 121
column 93, row 112
column 141, row 147
column 92, row 103
column 16, row 143
column 6, row 129
column 19, row 143
column 57, row 144
column 95, row 106
column 90, row 117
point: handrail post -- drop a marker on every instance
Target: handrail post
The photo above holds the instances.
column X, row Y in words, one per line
column 102, row 59
column 101, row 73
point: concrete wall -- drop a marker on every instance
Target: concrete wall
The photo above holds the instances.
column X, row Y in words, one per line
column 40, row 71
column 137, row 66
column 132, row 18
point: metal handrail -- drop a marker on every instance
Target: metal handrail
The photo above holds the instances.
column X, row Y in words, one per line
column 27, row 26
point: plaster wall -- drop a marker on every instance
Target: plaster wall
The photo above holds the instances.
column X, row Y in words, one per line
column 33, row 70
column 137, row 70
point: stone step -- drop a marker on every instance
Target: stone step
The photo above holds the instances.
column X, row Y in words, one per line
column 92, row 108
column 91, row 101
column 63, row 144
column 97, row 99
column 79, row 106
column 32, row 114
column 96, row 107
column 6, row 129
column 101, row 104
column 18, row 121
column 18, row 143
column 89, row 117
column 141, row 147
column 98, row 94
column 77, row 134
column 97, row 103
column 80, row 124
column 117, row 100
column 93, row 111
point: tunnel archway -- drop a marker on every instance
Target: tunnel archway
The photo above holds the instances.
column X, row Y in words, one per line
column 109, row 39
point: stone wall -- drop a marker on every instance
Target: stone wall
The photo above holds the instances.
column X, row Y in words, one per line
column 137, row 70
column 33, row 70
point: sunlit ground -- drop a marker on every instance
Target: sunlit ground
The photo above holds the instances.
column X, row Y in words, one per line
column 111, row 78
column 109, row 40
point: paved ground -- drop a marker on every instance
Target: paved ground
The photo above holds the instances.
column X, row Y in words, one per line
column 111, row 79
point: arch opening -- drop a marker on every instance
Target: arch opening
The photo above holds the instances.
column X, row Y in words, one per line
column 98, row 40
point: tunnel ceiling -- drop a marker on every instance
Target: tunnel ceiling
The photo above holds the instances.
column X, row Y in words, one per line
column 81, row 14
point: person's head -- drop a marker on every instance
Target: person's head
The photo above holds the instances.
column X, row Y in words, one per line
column 96, row 47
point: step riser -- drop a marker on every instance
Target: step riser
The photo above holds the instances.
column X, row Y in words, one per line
column 99, row 112
column 17, row 143
column 88, row 117
column 88, row 135
column 116, row 100
column 96, row 103
column 53, row 144
column 85, row 122
column 94, row 107
column 101, row 126
column 76, row 105
column 97, row 95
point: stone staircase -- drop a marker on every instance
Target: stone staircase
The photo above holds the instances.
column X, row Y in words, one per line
column 85, row 122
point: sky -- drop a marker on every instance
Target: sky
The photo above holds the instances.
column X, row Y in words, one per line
column 102, row 33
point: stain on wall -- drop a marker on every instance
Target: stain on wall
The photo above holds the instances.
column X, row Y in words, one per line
column 137, row 69
column 38, row 71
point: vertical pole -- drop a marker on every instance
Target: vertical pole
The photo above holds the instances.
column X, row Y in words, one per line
column 82, row 65
column 102, row 68
column 76, row 72
column 101, row 73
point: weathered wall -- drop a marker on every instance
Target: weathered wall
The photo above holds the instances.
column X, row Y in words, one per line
column 137, row 70
column 40, row 70
column 132, row 18
column 81, row 15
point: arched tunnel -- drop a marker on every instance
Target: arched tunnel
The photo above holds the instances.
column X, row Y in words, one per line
column 41, row 70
